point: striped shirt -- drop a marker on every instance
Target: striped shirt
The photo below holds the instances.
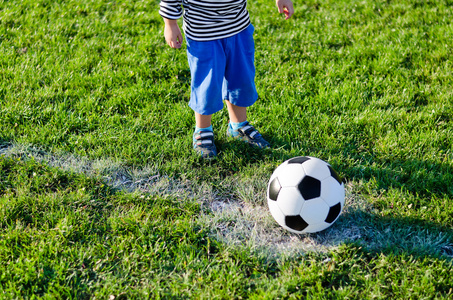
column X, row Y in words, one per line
column 207, row 20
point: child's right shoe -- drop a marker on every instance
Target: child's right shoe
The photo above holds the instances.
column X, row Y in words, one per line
column 203, row 144
column 248, row 134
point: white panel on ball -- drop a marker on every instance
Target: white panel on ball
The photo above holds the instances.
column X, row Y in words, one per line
column 290, row 175
column 332, row 192
column 290, row 201
column 316, row 227
column 314, row 211
column 316, row 168
column 276, row 213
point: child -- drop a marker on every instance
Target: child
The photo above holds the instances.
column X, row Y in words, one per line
column 220, row 51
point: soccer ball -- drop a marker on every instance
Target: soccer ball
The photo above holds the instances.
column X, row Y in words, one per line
column 305, row 195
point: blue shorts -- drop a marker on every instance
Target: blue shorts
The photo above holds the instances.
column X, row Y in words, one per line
column 222, row 69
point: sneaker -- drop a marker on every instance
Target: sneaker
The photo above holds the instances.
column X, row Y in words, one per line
column 204, row 145
column 248, row 134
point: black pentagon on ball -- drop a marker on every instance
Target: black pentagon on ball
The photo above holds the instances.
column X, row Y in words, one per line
column 274, row 189
column 310, row 188
column 333, row 213
column 298, row 160
column 296, row 222
column 334, row 174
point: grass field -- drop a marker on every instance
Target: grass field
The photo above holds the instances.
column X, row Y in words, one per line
column 101, row 196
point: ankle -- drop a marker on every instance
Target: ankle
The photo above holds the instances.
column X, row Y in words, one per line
column 198, row 129
column 237, row 125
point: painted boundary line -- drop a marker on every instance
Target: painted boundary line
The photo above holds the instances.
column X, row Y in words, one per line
column 239, row 223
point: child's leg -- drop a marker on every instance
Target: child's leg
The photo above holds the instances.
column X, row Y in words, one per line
column 237, row 114
column 239, row 87
column 239, row 128
column 202, row 121
column 207, row 67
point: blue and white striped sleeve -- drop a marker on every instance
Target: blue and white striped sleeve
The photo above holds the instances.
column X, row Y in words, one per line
column 170, row 9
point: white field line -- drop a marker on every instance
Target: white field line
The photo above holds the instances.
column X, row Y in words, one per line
column 241, row 218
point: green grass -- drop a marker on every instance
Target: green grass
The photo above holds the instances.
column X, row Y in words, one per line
column 365, row 85
column 67, row 235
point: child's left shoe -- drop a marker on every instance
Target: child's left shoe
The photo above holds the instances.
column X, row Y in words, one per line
column 248, row 134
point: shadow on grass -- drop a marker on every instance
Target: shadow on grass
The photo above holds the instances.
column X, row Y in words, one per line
column 389, row 234
column 239, row 149
column 422, row 178
column 233, row 156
